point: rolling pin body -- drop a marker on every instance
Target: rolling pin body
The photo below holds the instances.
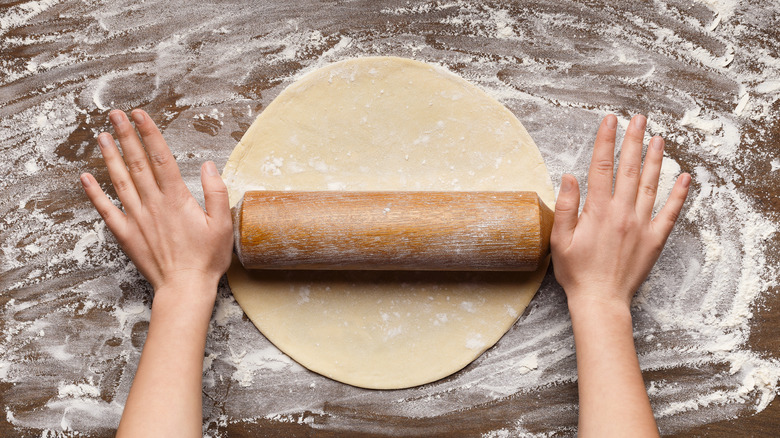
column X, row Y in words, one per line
column 439, row 231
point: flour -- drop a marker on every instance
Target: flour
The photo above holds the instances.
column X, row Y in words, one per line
column 79, row 252
column 527, row 364
column 78, row 390
column 21, row 14
column 248, row 364
column 475, row 342
column 718, row 136
column 768, row 86
column 273, row 166
column 75, row 311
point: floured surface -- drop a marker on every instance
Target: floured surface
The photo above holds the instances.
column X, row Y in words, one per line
column 74, row 312
column 384, row 124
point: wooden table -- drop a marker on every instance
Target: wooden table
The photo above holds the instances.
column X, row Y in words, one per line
column 74, row 313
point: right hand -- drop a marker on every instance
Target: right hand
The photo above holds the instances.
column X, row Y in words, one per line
column 607, row 252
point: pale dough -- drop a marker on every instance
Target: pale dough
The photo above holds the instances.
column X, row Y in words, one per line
column 384, row 124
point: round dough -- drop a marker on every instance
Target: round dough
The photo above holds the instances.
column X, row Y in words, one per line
column 384, row 124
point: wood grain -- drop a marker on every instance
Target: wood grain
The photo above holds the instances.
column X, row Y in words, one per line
column 159, row 57
column 425, row 231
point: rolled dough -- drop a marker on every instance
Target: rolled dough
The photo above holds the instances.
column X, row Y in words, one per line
column 384, row 123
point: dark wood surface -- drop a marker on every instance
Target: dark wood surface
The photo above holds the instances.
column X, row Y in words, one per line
column 72, row 311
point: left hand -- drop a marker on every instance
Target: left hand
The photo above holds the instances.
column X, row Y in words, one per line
column 163, row 230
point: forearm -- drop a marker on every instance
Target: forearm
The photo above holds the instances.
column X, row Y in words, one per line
column 166, row 396
column 613, row 399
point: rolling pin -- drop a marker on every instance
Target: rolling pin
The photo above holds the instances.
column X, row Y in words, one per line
column 421, row 231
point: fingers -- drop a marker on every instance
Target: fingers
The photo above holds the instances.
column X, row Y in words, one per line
column 627, row 179
column 648, row 181
column 566, row 209
column 215, row 193
column 160, row 158
column 117, row 171
column 115, row 219
column 668, row 215
column 134, row 155
column 602, row 163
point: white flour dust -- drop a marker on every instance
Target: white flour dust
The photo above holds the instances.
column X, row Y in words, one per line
column 74, row 311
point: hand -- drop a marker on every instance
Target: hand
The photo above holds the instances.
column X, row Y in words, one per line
column 606, row 253
column 163, row 230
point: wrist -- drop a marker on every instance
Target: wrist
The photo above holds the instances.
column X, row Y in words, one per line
column 187, row 289
column 596, row 320
column 598, row 304
column 187, row 279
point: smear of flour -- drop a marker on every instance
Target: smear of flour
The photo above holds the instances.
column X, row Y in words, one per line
column 248, row 364
column 475, row 342
column 74, row 312
column 718, row 136
column 527, row 364
column 20, row 14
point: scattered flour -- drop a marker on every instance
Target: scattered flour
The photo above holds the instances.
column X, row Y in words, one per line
column 718, row 135
column 475, row 342
column 250, row 364
column 527, row 364
column 85, row 310
column 20, row 14
column 78, row 390
column 273, row 166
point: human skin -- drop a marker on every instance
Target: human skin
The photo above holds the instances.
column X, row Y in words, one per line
column 182, row 251
column 600, row 258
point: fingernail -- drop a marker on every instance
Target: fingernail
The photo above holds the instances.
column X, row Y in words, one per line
column 85, row 181
column 611, row 121
column 138, row 117
column 686, row 180
column 116, row 117
column 105, row 140
column 640, row 122
column 657, row 143
column 210, row 168
column 566, row 185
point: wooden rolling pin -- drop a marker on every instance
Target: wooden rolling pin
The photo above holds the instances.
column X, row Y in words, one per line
column 431, row 231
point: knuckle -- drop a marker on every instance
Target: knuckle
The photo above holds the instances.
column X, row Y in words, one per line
column 125, row 133
column 603, row 166
column 220, row 190
column 175, row 202
column 649, row 189
column 630, row 170
column 143, row 128
column 160, row 158
column 625, row 223
column 136, row 166
column 560, row 206
column 157, row 212
column 122, row 185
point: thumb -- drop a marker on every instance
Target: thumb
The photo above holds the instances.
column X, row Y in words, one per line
column 215, row 193
column 566, row 208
